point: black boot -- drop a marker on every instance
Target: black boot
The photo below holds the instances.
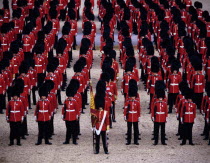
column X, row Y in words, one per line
column 18, row 142
column 11, row 143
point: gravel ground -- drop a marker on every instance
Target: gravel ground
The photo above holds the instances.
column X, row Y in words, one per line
column 119, row 152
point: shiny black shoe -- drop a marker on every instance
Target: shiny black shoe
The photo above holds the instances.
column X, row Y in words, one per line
column 106, row 152
column 164, row 144
column 65, row 142
column 38, row 143
column 75, row 143
column 96, row 152
column 114, row 120
column 206, row 138
column 183, row 144
column 19, row 144
column 177, row 134
column 49, row 143
column 191, row 143
column 127, row 143
column 155, row 143
column 179, row 138
column 153, row 139
column 10, row 144
column 202, row 134
column 136, row 143
column 23, row 137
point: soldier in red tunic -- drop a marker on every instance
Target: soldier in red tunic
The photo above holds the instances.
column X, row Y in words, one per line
column 101, row 125
column 173, row 85
column 159, row 115
column 2, row 91
column 187, row 116
column 132, row 112
column 197, row 82
column 43, row 115
column 70, row 114
column 14, row 116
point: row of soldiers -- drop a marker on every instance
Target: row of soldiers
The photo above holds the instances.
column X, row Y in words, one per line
column 129, row 68
column 167, row 66
column 48, row 72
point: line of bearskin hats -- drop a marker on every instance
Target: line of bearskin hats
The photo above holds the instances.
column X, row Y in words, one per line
column 133, row 88
column 14, row 47
column 5, row 4
column 1, row 13
column 66, row 29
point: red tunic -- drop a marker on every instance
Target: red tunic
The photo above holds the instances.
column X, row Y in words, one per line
column 159, row 111
column 15, row 110
column 43, row 110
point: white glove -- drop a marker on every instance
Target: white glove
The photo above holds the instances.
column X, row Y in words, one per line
column 177, row 115
column 153, row 119
column 125, row 118
column 35, row 118
column 139, row 119
column 62, row 117
column 22, row 118
column 166, row 119
column 181, row 120
column 7, row 118
column 207, row 120
column 77, row 117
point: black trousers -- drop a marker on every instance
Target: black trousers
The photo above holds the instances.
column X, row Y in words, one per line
column 150, row 102
column 83, row 101
column 180, row 129
column 157, row 125
column 113, row 110
column 198, row 99
column 71, row 130
column 51, row 126
column 15, row 130
column 136, row 131
column 78, row 126
column 43, row 131
column 59, row 97
column 34, row 95
column 24, row 127
column 40, row 79
column 187, row 132
column 29, row 101
column 104, row 140
column 2, row 103
column 171, row 100
column 206, row 129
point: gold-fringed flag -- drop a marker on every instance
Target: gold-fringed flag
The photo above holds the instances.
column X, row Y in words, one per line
column 93, row 110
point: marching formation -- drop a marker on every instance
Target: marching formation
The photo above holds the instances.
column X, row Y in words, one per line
column 172, row 53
